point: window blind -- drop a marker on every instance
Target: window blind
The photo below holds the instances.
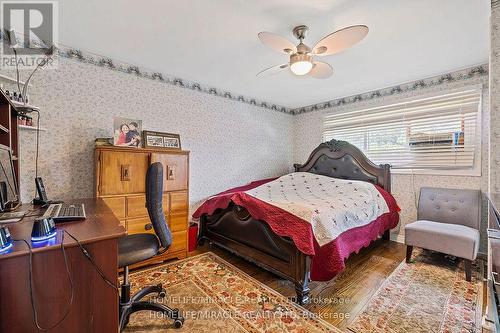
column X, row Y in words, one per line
column 438, row 132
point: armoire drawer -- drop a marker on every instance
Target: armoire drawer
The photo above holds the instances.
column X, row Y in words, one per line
column 117, row 206
column 122, row 172
column 175, row 170
column 144, row 225
column 179, row 241
column 178, row 222
column 136, row 206
column 165, row 203
column 179, row 202
column 140, row 226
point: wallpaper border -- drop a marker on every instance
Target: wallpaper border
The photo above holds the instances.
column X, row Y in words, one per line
column 120, row 66
column 465, row 74
column 124, row 67
column 165, row 78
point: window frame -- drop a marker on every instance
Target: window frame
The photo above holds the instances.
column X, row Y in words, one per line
column 475, row 171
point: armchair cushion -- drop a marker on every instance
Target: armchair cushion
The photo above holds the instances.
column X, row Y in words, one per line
column 454, row 206
column 454, row 239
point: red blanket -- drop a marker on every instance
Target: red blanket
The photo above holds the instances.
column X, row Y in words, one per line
column 327, row 260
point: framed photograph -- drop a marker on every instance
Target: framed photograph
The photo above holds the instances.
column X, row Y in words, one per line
column 154, row 141
column 127, row 132
column 161, row 140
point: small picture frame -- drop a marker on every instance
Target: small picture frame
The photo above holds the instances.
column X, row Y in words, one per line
column 161, row 140
column 127, row 132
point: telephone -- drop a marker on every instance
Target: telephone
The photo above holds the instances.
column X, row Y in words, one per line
column 3, row 196
column 42, row 194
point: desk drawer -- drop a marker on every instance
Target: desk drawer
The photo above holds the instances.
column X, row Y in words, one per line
column 140, row 226
column 117, row 205
column 136, row 206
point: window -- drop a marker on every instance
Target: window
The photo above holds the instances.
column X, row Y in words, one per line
column 440, row 132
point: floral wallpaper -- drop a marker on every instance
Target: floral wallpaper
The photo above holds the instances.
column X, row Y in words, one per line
column 495, row 97
column 231, row 143
column 405, row 187
column 233, row 139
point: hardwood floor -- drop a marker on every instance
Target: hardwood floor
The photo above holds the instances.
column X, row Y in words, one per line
column 340, row 300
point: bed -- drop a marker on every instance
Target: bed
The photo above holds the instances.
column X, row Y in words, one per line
column 254, row 238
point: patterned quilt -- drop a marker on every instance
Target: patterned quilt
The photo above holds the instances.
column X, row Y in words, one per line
column 331, row 205
column 327, row 218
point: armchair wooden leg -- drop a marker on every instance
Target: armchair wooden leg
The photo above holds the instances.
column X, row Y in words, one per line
column 409, row 250
column 468, row 270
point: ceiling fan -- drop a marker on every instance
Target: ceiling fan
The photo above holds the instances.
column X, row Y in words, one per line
column 302, row 60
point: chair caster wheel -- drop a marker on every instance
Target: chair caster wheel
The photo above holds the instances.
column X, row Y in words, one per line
column 162, row 294
column 178, row 322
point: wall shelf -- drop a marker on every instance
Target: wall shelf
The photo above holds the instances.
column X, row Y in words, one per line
column 9, row 133
column 30, row 128
column 11, row 79
column 20, row 106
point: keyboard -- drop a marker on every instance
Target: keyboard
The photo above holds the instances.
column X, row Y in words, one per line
column 65, row 212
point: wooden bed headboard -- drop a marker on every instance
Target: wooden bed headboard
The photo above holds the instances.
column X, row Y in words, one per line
column 340, row 159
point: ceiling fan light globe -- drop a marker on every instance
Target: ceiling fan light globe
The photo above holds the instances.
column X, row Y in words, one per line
column 301, row 63
column 301, row 67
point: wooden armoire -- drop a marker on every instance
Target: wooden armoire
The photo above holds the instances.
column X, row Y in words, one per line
column 121, row 182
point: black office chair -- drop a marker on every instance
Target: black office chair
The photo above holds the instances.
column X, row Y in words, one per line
column 138, row 247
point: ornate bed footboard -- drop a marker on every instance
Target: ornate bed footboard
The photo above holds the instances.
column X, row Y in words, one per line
column 237, row 231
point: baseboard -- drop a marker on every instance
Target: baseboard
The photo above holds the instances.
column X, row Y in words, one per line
column 398, row 238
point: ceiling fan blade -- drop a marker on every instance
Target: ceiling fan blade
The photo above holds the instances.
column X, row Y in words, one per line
column 321, row 70
column 272, row 70
column 340, row 40
column 276, row 42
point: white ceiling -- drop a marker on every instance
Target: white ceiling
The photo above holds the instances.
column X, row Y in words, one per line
column 214, row 42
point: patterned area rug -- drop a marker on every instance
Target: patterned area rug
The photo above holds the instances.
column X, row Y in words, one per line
column 428, row 295
column 215, row 296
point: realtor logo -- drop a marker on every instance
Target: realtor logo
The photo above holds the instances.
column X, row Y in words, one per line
column 29, row 33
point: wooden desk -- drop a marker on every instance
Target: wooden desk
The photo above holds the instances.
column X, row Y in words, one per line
column 95, row 304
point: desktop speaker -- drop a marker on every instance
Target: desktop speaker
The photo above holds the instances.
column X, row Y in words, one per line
column 43, row 228
column 5, row 239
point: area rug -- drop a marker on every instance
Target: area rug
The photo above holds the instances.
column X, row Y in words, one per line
column 215, row 296
column 428, row 295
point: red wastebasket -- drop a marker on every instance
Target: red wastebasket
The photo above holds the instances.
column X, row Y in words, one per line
column 193, row 236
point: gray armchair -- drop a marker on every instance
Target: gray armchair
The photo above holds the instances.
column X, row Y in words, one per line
column 447, row 221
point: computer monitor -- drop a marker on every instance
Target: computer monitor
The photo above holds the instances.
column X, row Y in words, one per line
column 8, row 182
